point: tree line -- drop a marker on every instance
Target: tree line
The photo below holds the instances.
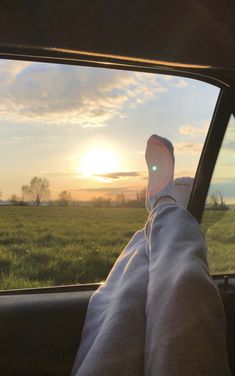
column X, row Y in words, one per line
column 38, row 190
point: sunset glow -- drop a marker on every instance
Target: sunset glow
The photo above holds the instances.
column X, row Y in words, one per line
column 99, row 161
column 85, row 129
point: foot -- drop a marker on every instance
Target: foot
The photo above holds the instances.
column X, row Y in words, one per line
column 160, row 160
column 182, row 188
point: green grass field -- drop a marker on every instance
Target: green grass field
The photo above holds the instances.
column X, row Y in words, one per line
column 48, row 246
column 219, row 229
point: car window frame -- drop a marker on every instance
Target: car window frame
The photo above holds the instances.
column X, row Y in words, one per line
column 223, row 110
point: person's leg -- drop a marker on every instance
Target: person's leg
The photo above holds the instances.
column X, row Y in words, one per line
column 114, row 333
column 185, row 325
column 185, row 329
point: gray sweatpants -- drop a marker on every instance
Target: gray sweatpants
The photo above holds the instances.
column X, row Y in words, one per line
column 158, row 313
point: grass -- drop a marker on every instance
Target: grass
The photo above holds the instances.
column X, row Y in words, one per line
column 55, row 245
column 219, row 229
column 49, row 246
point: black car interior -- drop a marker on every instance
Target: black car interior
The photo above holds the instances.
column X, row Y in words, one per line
column 41, row 327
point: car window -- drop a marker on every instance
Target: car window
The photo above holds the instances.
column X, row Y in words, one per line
column 73, row 173
column 218, row 221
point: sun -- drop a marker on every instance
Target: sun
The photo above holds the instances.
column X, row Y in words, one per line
column 99, row 161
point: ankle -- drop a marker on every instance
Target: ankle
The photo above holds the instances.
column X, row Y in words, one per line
column 164, row 200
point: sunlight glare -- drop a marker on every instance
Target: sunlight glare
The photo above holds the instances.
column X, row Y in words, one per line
column 99, row 161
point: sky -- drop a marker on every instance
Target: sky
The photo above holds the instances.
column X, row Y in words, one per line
column 85, row 129
column 223, row 179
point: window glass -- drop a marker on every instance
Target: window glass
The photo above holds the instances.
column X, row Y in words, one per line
column 218, row 220
column 72, row 163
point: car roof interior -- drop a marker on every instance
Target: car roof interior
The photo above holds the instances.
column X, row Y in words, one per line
column 179, row 36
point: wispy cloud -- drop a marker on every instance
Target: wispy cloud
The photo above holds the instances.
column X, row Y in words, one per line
column 182, row 172
column 229, row 146
column 223, row 180
column 110, row 175
column 182, row 147
column 119, row 175
column 180, row 83
column 57, row 94
column 192, row 130
column 62, row 173
column 61, row 94
column 101, row 189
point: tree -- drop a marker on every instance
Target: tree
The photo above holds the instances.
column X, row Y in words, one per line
column 37, row 190
column 140, row 195
column 221, row 199
column 120, row 199
column 214, row 199
column 14, row 200
column 100, row 202
column 217, row 200
column 140, row 198
column 65, row 198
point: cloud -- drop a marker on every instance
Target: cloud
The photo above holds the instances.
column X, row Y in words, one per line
column 179, row 173
column 167, row 78
column 185, row 172
column 101, row 189
column 180, row 83
column 182, row 147
column 226, row 187
column 15, row 139
column 59, row 173
column 119, row 175
column 228, row 145
column 192, row 130
column 10, row 69
column 111, row 175
column 57, row 94
column 222, row 180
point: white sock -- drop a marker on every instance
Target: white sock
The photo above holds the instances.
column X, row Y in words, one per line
column 160, row 160
column 182, row 188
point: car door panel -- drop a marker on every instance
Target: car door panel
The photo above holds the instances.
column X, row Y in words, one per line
column 40, row 333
